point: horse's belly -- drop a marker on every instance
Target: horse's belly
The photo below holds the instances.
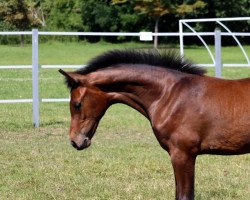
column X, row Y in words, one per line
column 227, row 144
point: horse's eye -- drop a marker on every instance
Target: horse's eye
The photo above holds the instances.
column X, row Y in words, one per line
column 78, row 106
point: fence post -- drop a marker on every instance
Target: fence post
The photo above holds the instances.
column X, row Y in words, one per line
column 218, row 62
column 35, row 78
column 181, row 39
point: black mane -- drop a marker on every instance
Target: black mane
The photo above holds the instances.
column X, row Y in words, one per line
column 165, row 59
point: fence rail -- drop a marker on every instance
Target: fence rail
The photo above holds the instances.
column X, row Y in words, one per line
column 177, row 34
column 219, row 21
column 35, row 65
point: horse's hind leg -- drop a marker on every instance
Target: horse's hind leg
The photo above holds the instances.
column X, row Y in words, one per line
column 184, row 167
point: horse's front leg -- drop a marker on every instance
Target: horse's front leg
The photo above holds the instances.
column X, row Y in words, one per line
column 184, row 167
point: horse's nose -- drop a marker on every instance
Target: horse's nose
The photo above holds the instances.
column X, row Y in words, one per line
column 82, row 145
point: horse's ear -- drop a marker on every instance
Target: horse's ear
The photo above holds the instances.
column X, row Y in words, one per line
column 71, row 78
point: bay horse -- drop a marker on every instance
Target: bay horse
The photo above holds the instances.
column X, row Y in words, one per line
column 190, row 113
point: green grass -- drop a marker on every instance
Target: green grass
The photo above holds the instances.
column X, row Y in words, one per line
column 79, row 53
column 229, row 54
column 124, row 162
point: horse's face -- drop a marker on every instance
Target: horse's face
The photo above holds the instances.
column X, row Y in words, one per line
column 87, row 106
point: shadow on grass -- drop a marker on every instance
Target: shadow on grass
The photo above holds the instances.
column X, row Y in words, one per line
column 53, row 123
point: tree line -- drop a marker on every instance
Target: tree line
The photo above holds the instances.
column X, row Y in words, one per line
column 117, row 15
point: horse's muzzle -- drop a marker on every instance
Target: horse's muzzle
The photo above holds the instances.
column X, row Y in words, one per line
column 83, row 144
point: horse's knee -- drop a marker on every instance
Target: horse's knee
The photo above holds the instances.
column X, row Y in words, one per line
column 183, row 162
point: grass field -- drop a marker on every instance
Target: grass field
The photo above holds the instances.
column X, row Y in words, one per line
column 124, row 162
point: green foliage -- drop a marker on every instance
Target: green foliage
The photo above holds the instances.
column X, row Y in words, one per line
column 156, row 9
column 6, row 26
column 232, row 8
column 153, row 8
column 115, row 15
column 62, row 15
column 186, row 8
column 18, row 13
column 159, row 8
column 103, row 16
column 4, row 39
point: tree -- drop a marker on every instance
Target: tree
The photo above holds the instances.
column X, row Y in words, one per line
column 62, row 15
column 155, row 9
column 185, row 7
column 36, row 11
column 102, row 16
column 232, row 8
column 18, row 14
column 98, row 16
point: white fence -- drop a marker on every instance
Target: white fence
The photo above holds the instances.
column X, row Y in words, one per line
column 35, row 65
column 219, row 21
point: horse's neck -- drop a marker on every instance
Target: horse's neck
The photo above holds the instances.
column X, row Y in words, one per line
column 138, row 87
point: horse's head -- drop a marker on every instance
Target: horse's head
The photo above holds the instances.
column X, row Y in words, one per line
column 87, row 105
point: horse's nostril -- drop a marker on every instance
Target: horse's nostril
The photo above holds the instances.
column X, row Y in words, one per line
column 85, row 142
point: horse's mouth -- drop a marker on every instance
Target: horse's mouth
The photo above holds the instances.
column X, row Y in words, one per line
column 83, row 140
